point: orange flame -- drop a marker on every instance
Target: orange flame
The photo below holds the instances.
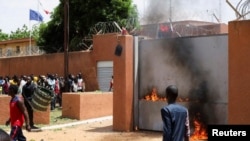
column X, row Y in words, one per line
column 200, row 132
column 153, row 96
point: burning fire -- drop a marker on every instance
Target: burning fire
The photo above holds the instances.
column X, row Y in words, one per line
column 153, row 96
column 200, row 132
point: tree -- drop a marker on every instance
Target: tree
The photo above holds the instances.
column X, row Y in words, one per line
column 83, row 14
column 20, row 33
column 23, row 32
column 3, row 36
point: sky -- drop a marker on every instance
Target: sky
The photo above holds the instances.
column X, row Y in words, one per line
column 15, row 13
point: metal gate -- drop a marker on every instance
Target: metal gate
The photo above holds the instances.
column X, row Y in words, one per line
column 197, row 65
column 104, row 74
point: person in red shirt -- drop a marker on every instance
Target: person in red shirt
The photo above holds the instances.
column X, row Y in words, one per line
column 111, row 83
column 18, row 115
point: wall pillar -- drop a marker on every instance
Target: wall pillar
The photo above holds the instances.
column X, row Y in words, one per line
column 123, row 85
column 239, row 72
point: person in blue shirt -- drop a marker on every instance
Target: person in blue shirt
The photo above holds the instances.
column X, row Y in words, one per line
column 175, row 118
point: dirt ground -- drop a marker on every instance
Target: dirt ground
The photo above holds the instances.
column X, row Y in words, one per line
column 94, row 131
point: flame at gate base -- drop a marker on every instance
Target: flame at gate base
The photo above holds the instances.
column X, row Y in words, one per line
column 200, row 132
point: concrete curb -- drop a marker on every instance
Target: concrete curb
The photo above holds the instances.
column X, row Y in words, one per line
column 77, row 123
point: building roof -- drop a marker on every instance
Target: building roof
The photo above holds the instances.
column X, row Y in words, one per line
column 16, row 41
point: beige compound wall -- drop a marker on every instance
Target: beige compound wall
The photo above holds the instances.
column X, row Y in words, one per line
column 82, row 61
column 104, row 47
column 52, row 63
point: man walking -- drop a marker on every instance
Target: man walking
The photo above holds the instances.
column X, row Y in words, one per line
column 27, row 92
column 18, row 115
column 175, row 118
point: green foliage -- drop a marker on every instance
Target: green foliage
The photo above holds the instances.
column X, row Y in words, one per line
column 23, row 32
column 3, row 36
column 20, row 33
column 53, row 41
column 83, row 14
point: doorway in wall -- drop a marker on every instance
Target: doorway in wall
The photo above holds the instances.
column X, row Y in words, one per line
column 104, row 74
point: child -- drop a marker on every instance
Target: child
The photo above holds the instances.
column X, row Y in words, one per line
column 18, row 114
column 111, row 83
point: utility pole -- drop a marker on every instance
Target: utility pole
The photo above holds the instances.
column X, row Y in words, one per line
column 170, row 10
column 66, row 43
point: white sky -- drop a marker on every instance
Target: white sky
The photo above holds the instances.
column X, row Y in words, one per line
column 15, row 13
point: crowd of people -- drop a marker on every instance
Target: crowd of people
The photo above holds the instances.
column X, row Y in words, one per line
column 22, row 89
column 53, row 82
column 175, row 117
